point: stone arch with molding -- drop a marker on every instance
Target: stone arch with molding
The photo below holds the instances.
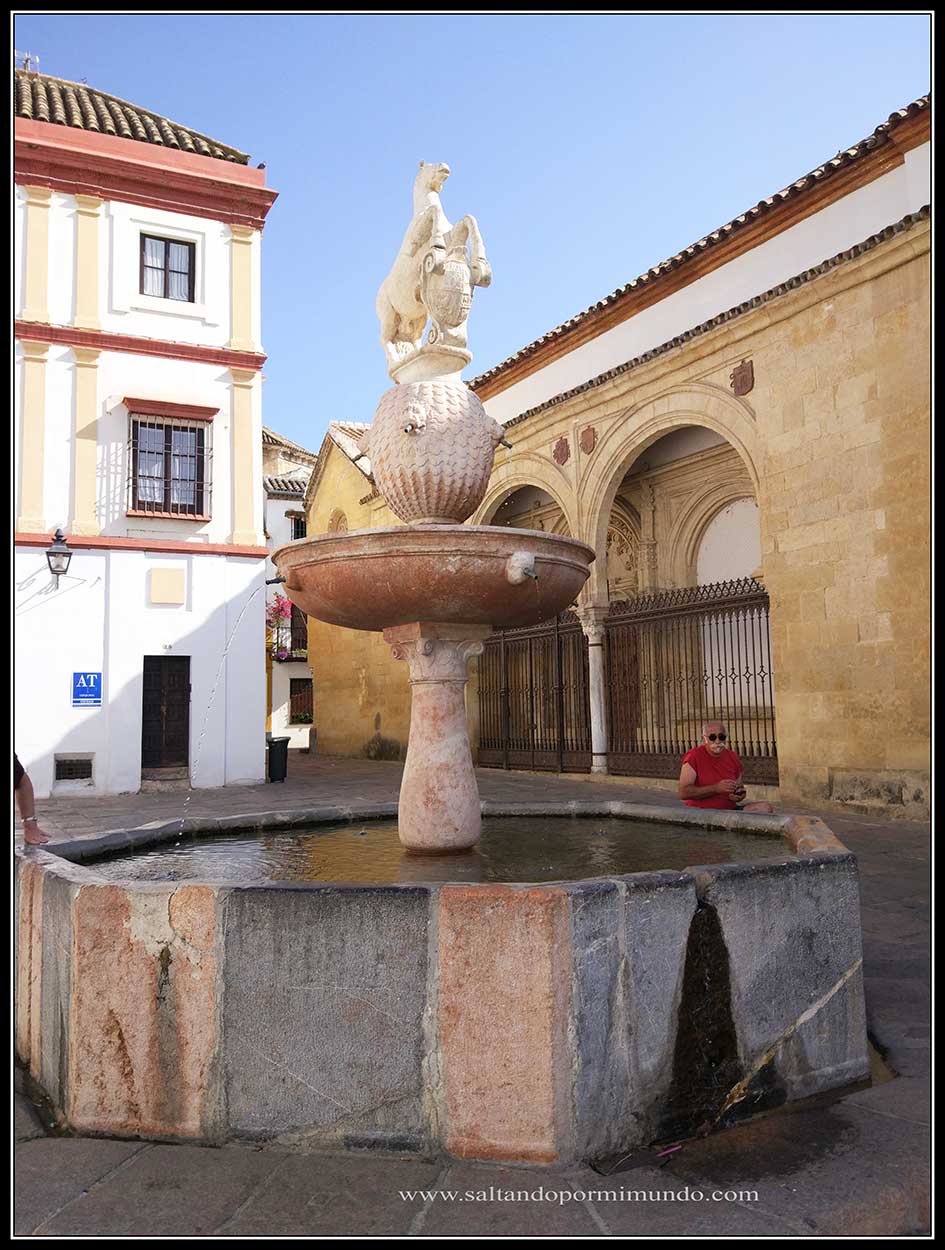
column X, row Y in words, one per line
column 501, row 490
column 629, row 435
column 337, row 522
column 689, row 528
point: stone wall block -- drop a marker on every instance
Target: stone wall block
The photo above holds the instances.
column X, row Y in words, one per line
column 56, row 990
column 324, row 993
column 606, row 1121
column 143, row 1021
column 659, row 913
column 504, row 990
column 795, row 960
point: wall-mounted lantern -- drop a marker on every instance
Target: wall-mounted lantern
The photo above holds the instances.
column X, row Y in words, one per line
column 58, row 556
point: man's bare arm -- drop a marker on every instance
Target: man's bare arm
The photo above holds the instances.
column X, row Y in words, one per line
column 689, row 790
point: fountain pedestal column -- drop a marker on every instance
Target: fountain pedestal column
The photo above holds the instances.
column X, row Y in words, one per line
column 439, row 806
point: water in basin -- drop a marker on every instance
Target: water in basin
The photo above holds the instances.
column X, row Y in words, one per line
column 512, row 849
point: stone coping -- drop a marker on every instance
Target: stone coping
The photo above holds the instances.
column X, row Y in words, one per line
column 806, row 837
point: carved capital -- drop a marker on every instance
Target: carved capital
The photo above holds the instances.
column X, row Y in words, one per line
column 593, row 619
column 436, row 654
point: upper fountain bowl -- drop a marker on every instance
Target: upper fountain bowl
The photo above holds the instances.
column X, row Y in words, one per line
column 469, row 574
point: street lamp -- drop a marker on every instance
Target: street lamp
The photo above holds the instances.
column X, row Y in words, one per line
column 58, row 556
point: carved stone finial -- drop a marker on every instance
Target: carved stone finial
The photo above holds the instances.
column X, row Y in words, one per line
column 432, row 279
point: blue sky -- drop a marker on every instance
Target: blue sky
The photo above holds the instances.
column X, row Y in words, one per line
column 589, row 148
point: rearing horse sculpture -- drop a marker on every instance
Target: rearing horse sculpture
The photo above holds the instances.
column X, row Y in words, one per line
column 432, row 277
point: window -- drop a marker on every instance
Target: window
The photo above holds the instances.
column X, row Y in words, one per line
column 167, row 268
column 299, row 632
column 300, row 701
column 169, row 467
column 298, row 527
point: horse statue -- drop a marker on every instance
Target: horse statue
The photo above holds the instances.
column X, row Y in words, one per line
column 432, row 279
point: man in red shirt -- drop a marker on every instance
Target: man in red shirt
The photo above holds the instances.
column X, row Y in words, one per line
column 711, row 774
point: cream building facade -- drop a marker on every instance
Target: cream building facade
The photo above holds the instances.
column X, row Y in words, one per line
column 757, row 406
column 138, row 432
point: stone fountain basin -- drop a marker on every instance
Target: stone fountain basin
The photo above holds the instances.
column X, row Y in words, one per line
column 377, row 578
column 573, row 1020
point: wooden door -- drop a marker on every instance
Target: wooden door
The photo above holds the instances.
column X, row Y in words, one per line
column 165, row 712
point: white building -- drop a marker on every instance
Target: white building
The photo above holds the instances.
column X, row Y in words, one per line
column 287, row 468
column 138, row 431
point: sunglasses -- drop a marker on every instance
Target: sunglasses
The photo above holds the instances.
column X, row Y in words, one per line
column 714, row 737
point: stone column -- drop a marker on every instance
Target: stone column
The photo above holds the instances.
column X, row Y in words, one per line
column 33, row 438
column 241, row 289
column 592, row 622
column 88, row 211
column 36, row 284
column 439, row 808
column 84, row 518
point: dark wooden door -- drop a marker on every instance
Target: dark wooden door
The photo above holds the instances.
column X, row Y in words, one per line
column 165, row 712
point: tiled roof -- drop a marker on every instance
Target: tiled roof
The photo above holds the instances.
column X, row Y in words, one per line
column 285, row 485
column 40, row 98
column 799, row 188
column 801, row 279
column 279, row 440
column 346, row 436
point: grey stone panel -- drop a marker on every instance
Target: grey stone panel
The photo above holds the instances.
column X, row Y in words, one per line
column 629, row 941
column 792, row 933
column 56, row 987
column 603, row 1114
column 659, row 912
column 323, row 1000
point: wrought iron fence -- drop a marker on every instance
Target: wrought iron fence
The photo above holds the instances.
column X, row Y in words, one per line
column 674, row 659
column 678, row 658
column 533, row 698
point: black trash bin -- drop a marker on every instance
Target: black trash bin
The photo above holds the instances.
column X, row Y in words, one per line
column 278, row 758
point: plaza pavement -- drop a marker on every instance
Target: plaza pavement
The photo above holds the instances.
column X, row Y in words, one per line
column 858, row 1166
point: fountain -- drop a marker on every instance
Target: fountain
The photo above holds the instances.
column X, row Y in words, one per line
column 434, row 586
column 551, row 996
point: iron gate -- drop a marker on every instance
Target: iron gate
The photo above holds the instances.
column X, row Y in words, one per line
column 673, row 660
column 533, row 701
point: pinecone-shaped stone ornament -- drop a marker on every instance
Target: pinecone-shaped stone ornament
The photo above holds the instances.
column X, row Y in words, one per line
column 431, row 449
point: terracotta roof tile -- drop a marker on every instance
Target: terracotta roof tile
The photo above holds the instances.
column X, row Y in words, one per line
column 40, row 98
column 800, row 187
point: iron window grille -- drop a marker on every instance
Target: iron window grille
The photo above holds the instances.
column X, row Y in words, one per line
column 298, row 527
column 169, row 467
column 301, row 708
column 168, row 268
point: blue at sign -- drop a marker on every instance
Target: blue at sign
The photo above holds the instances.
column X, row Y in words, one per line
column 86, row 689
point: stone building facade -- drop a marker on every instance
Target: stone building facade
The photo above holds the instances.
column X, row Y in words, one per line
column 757, row 405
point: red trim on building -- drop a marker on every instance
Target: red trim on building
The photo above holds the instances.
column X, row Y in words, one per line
column 106, row 341
column 161, row 408
column 81, row 162
column 108, row 543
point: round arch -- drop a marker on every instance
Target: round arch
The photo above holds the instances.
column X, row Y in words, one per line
column 692, row 523
column 500, row 491
column 638, row 428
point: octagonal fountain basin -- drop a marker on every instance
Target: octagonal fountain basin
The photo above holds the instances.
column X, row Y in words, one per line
column 474, row 574
column 531, row 1000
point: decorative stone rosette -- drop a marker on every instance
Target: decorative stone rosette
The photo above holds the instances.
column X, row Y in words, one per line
column 431, row 449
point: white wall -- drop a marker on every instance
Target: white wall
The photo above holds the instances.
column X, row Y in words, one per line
column 819, row 237
column 731, row 545
column 148, row 377
column 100, row 620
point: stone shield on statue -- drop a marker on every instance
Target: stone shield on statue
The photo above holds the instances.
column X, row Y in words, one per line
column 447, row 293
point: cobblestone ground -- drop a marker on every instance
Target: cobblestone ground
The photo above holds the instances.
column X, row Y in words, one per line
column 856, row 1167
